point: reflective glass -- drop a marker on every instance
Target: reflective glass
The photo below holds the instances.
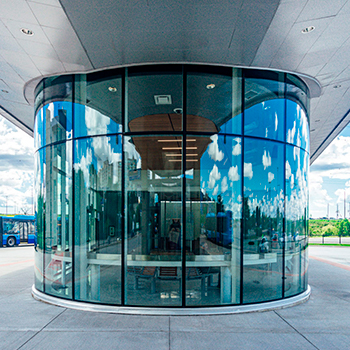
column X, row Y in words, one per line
column 58, row 220
column 210, row 95
column 153, row 230
column 263, row 210
column 264, row 105
column 98, row 106
column 297, row 125
column 98, row 219
column 297, row 163
column 154, row 98
column 213, row 220
column 39, row 203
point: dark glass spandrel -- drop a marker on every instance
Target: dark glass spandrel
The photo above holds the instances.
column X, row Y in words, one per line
column 153, row 225
column 264, row 105
column 58, row 220
column 263, row 212
column 213, row 220
column 98, row 219
column 296, row 236
column 154, row 98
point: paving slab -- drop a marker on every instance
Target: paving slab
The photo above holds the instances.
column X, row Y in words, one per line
column 73, row 320
column 13, row 339
column 98, row 340
column 254, row 322
column 238, row 341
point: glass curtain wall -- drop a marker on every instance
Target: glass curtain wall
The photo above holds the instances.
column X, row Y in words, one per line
column 172, row 186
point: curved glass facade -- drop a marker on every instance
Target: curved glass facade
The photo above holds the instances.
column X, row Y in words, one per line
column 172, row 186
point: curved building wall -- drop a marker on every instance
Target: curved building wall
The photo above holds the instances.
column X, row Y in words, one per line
column 172, row 186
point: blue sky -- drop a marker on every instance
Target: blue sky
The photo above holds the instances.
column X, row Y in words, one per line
column 329, row 175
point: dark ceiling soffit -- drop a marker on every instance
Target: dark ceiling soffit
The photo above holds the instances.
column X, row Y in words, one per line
column 9, row 116
column 331, row 136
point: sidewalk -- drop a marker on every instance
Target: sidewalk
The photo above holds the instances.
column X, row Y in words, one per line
column 320, row 323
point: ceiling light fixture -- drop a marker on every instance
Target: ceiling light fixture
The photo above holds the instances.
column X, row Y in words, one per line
column 189, row 140
column 180, row 160
column 176, row 148
column 5, row 91
column 178, row 110
column 27, row 31
column 210, row 86
column 337, row 86
column 308, row 29
column 112, row 89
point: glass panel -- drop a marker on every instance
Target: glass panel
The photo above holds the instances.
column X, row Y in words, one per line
column 58, row 220
column 39, row 202
column 97, row 110
column 263, row 208
column 57, row 111
column 154, row 99
column 213, row 213
column 39, row 130
column 297, row 126
column 210, row 92
column 98, row 219
column 153, row 192
column 297, row 164
column 264, row 105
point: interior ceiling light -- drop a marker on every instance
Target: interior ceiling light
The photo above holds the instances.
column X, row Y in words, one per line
column 337, row 86
column 180, row 155
column 308, row 29
column 162, row 99
column 27, row 31
column 210, row 86
column 176, row 148
column 112, row 89
column 178, row 110
column 180, row 160
column 5, row 91
column 189, row 140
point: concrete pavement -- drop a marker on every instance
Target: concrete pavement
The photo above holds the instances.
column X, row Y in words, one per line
column 320, row 323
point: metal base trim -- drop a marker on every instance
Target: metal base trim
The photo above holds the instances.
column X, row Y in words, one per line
column 128, row 310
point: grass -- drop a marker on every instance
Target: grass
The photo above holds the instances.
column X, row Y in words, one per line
column 331, row 244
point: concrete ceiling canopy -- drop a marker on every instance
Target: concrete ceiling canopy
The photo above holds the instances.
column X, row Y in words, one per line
column 82, row 36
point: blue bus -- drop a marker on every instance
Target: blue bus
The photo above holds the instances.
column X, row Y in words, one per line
column 15, row 229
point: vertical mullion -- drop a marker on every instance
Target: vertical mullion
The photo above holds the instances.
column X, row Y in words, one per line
column 184, row 129
column 73, row 187
column 123, row 279
column 242, row 183
column 284, row 186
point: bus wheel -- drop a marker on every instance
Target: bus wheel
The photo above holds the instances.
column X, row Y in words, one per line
column 11, row 241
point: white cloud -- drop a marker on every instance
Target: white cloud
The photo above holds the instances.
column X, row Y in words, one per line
column 224, row 185
column 214, row 176
column 288, row 170
column 237, row 149
column 233, row 173
column 213, row 149
column 270, row 177
column 248, row 170
column 266, row 159
column 216, row 190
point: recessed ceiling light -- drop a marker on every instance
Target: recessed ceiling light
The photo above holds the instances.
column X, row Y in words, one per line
column 112, row 89
column 210, row 86
column 162, row 99
column 316, row 121
column 27, row 31
column 5, row 91
column 178, row 110
column 308, row 29
column 312, row 130
column 337, row 86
